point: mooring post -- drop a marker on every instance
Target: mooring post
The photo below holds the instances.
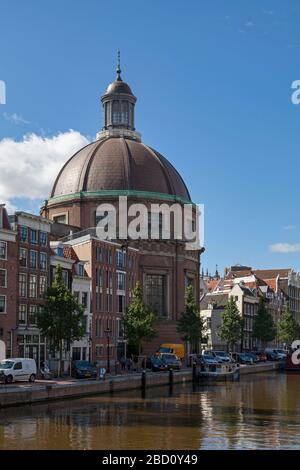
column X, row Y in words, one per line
column 194, row 372
column 143, row 383
column 171, row 377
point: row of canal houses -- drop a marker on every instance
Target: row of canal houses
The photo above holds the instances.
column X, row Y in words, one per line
column 279, row 287
column 101, row 274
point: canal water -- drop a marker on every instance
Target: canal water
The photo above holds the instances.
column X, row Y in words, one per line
column 259, row 412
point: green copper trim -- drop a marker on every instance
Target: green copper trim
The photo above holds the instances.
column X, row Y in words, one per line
column 116, row 193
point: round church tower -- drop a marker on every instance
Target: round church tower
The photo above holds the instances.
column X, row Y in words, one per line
column 118, row 164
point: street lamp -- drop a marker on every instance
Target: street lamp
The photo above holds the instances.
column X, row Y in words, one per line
column 107, row 334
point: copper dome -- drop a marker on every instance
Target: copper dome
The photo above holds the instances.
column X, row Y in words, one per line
column 118, row 163
column 118, row 86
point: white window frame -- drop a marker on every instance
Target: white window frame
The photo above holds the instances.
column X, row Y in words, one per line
column 26, row 285
column 5, row 304
column 36, row 259
column 39, row 262
column 25, row 311
column 33, row 276
column 5, row 286
column 5, row 244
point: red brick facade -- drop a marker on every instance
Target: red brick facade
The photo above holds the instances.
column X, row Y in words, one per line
column 8, row 287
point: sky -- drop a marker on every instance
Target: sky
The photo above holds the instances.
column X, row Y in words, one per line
column 213, row 80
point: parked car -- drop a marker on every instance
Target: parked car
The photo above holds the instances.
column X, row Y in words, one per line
column 242, row 358
column 209, row 354
column 278, row 354
column 17, row 369
column 281, row 353
column 208, row 360
column 272, row 356
column 224, row 356
column 253, row 356
column 261, row 356
column 157, row 364
column 171, row 361
column 83, row 370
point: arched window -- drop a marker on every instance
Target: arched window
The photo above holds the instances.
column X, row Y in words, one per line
column 106, row 114
column 124, row 112
column 116, row 114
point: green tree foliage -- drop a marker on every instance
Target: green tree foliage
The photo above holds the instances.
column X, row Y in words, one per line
column 263, row 329
column 288, row 329
column 230, row 330
column 61, row 318
column 191, row 324
column 138, row 321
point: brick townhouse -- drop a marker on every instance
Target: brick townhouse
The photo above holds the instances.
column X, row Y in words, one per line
column 113, row 269
column 8, row 284
column 33, row 275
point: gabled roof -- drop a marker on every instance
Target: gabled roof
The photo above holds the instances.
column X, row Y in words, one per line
column 246, row 290
column 211, row 284
column 272, row 273
column 218, row 300
column 70, row 253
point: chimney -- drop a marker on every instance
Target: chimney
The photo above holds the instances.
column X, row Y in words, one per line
column 1, row 214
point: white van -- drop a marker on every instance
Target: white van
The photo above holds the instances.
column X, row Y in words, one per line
column 17, row 369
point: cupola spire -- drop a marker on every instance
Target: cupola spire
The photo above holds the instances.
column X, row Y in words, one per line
column 118, row 70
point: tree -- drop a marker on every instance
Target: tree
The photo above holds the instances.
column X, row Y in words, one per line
column 288, row 329
column 191, row 324
column 61, row 318
column 263, row 328
column 230, row 330
column 138, row 321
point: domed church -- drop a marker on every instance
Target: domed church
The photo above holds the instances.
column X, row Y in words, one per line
column 118, row 164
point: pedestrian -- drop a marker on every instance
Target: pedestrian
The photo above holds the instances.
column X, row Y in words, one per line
column 123, row 363
column 129, row 364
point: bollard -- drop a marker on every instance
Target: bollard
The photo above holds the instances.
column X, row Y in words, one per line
column 143, row 383
column 171, row 377
column 194, row 372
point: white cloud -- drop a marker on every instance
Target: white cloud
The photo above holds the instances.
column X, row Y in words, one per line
column 288, row 227
column 285, row 248
column 28, row 167
column 268, row 12
column 249, row 24
column 15, row 118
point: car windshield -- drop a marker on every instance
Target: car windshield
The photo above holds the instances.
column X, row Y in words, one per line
column 208, row 354
column 6, row 364
column 221, row 353
column 280, row 351
column 82, row 364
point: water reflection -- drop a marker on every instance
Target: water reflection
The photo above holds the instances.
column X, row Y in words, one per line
column 258, row 412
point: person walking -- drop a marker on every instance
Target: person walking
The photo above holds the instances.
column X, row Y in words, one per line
column 123, row 363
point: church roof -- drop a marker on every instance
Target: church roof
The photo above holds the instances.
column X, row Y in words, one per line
column 117, row 163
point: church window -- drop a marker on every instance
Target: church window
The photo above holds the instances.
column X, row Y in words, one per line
column 156, row 293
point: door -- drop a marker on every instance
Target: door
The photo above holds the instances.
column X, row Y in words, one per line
column 18, row 372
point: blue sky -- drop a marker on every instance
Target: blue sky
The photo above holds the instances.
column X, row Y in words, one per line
column 213, row 80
